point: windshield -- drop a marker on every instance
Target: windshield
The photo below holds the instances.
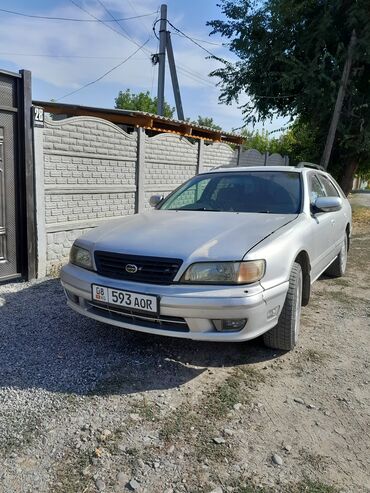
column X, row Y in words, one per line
column 275, row 192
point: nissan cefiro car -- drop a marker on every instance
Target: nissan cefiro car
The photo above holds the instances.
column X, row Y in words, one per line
column 228, row 256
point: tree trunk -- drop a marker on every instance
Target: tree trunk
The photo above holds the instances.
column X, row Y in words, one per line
column 348, row 176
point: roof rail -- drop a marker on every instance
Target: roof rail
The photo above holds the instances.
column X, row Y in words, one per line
column 304, row 164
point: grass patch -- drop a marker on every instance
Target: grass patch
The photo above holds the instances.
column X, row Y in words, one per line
column 341, row 282
column 146, row 410
column 309, row 486
column 316, row 461
column 304, row 486
column 69, row 477
column 340, row 297
column 361, row 214
column 346, row 300
column 214, row 405
column 308, row 356
column 236, row 388
column 23, row 434
column 205, row 448
column 314, row 356
column 198, row 424
column 180, row 421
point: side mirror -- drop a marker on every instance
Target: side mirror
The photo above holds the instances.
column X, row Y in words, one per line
column 328, row 204
column 155, row 199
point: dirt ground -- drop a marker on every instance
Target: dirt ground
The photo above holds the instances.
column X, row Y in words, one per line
column 85, row 407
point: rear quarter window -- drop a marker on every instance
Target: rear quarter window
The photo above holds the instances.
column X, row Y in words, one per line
column 330, row 189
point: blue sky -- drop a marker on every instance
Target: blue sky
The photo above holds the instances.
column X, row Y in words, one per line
column 101, row 49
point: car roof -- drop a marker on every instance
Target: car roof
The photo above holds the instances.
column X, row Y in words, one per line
column 295, row 169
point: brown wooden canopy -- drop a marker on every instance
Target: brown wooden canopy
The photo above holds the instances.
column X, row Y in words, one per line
column 145, row 120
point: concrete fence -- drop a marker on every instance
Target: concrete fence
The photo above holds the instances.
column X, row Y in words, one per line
column 89, row 170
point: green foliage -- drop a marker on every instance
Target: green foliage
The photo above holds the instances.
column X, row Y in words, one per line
column 141, row 102
column 256, row 140
column 299, row 142
column 290, row 61
column 206, row 121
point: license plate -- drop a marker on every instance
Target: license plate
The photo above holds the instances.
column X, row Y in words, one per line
column 126, row 299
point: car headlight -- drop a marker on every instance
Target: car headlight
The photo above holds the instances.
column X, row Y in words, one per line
column 81, row 257
column 245, row 272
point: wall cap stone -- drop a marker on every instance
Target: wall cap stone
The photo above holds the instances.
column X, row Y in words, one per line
column 178, row 138
column 83, row 119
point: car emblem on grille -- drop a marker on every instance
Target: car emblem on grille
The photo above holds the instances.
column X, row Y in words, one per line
column 131, row 268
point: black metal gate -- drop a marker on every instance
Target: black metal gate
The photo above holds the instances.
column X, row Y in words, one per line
column 17, row 222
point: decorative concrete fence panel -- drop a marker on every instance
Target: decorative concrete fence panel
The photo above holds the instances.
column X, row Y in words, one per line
column 218, row 154
column 251, row 157
column 277, row 160
column 86, row 173
column 169, row 161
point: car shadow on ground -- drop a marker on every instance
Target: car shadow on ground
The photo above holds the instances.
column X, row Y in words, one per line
column 44, row 344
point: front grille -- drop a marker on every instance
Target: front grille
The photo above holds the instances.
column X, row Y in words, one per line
column 152, row 270
column 140, row 319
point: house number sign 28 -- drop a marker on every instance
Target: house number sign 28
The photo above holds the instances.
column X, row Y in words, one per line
column 38, row 116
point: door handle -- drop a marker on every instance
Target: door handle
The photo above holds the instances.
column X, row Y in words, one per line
column 332, row 221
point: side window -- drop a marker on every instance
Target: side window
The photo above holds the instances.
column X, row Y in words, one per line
column 316, row 189
column 330, row 189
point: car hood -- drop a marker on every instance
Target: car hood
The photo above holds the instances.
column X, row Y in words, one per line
column 188, row 235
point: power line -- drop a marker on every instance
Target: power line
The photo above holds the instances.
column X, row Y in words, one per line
column 196, row 42
column 106, row 25
column 222, row 60
column 105, row 74
column 193, row 75
column 113, row 18
column 71, row 19
column 136, row 13
column 182, row 68
column 187, row 71
column 190, row 73
column 190, row 39
column 201, row 40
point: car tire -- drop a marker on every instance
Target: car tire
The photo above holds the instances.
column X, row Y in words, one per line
column 285, row 334
column 338, row 267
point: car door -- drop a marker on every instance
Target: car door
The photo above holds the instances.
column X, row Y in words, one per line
column 322, row 229
column 337, row 218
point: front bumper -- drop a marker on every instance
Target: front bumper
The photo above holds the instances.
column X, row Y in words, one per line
column 185, row 311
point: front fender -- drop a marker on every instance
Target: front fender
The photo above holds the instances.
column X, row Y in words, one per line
column 281, row 249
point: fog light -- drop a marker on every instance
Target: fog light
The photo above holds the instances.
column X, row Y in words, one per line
column 72, row 297
column 274, row 312
column 233, row 324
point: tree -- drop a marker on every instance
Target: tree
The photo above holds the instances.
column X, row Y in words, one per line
column 256, row 140
column 206, row 121
column 298, row 142
column 142, row 101
column 291, row 57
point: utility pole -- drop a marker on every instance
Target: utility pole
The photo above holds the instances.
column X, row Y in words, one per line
column 165, row 45
column 162, row 59
column 339, row 103
column 175, row 82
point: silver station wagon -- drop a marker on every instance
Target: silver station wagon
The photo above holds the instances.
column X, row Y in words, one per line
column 228, row 256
